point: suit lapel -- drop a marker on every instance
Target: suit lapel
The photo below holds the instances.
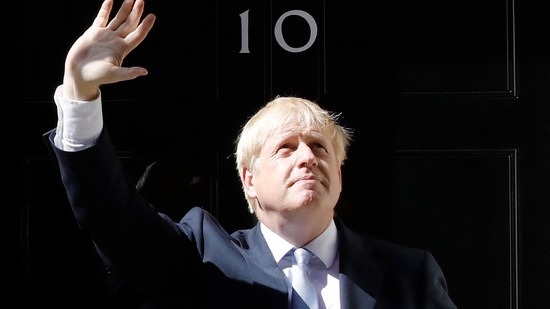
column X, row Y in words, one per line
column 268, row 273
column 361, row 272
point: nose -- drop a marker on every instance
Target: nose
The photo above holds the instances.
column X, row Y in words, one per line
column 306, row 157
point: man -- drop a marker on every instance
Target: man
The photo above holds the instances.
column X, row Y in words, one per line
column 289, row 158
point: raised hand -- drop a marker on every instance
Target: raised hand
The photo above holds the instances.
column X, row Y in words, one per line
column 97, row 55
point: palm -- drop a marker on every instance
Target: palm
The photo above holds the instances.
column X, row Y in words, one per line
column 96, row 57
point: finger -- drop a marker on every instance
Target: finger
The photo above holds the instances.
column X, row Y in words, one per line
column 103, row 14
column 135, row 37
column 121, row 15
column 132, row 20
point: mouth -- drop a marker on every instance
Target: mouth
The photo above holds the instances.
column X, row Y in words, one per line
column 311, row 180
column 307, row 180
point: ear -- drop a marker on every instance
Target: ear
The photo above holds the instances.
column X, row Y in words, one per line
column 247, row 179
column 340, row 177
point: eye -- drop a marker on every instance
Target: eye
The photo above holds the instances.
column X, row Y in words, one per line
column 318, row 146
column 285, row 148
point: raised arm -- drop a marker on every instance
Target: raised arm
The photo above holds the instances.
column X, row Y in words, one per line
column 97, row 55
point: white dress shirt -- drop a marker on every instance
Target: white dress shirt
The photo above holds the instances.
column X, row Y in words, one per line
column 324, row 268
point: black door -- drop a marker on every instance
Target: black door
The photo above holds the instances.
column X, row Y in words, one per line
column 447, row 100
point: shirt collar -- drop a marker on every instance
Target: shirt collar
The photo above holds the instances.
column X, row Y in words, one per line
column 325, row 246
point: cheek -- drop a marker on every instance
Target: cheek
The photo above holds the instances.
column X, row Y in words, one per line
column 335, row 175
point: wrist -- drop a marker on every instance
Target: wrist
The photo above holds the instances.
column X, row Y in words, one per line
column 75, row 90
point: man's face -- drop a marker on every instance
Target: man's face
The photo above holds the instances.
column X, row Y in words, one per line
column 296, row 170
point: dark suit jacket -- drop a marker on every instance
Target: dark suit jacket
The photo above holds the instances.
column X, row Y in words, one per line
column 195, row 263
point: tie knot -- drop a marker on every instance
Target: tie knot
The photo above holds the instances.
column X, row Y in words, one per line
column 302, row 256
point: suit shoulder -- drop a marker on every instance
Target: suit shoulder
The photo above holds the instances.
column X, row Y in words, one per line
column 380, row 247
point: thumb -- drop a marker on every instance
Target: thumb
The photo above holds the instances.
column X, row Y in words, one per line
column 126, row 73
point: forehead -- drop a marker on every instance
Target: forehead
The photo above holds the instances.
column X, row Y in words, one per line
column 297, row 130
column 295, row 135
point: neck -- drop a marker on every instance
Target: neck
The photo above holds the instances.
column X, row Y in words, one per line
column 297, row 229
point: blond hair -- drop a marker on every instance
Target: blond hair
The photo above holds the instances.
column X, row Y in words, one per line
column 282, row 112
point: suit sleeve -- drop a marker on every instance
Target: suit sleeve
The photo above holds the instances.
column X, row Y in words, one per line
column 436, row 295
column 134, row 241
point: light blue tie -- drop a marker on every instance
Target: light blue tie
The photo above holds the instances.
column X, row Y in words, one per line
column 304, row 294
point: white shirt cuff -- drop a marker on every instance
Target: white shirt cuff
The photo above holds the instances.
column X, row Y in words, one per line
column 79, row 123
